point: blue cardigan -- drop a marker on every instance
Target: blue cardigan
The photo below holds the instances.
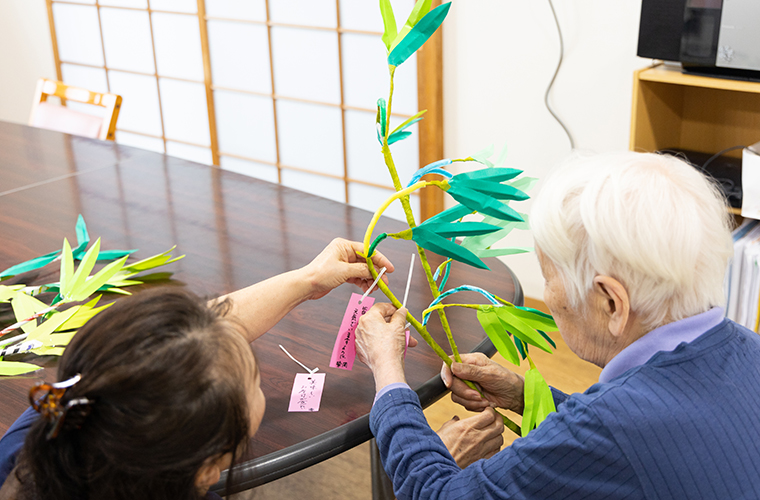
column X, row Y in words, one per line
column 684, row 425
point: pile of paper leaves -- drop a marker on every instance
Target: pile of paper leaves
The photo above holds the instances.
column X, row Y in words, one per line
column 46, row 329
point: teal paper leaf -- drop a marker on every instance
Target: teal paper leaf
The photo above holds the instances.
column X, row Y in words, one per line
column 442, row 246
column 453, row 229
column 398, row 136
column 496, row 174
column 483, row 203
column 421, row 8
column 485, row 241
column 420, row 34
column 493, row 189
column 30, row 265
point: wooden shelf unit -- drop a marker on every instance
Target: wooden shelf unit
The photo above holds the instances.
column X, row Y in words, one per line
column 676, row 110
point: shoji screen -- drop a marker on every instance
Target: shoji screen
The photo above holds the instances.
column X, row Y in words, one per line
column 283, row 90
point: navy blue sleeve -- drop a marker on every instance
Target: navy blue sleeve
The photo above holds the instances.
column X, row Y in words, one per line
column 13, row 440
column 569, row 456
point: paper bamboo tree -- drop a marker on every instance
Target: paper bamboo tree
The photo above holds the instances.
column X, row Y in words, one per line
column 487, row 192
column 46, row 329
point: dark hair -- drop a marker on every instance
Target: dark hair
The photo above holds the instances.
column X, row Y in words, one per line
column 168, row 378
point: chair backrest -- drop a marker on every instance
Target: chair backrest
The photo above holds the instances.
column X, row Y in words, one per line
column 49, row 116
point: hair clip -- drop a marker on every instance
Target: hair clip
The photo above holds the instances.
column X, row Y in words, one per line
column 46, row 399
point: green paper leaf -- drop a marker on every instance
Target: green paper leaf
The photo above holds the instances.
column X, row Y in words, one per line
column 519, row 329
column 531, row 406
column 398, row 136
column 539, row 402
column 500, row 252
column 500, row 338
column 25, row 307
column 496, row 174
column 49, row 351
column 485, row 241
column 483, row 204
column 409, row 121
column 85, row 313
column 67, row 268
column 522, row 348
column 96, row 281
column 483, row 156
column 8, row 292
column 82, row 272
column 418, row 35
column 83, row 236
column 442, row 246
column 535, row 319
column 389, row 23
column 11, row 368
column 421, row 8
column 43, row 331
column 30, row 265
column 524, row 184
column 502, row 156
column 152, row 262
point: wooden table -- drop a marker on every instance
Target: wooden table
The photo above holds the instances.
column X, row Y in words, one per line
column 234, row 231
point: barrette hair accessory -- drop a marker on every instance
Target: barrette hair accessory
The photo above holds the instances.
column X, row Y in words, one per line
column 46, row 399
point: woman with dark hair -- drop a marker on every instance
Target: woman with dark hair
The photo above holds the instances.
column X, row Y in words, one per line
column 159, row 393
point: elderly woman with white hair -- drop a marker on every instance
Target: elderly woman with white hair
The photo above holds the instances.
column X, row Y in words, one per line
column 634, row 249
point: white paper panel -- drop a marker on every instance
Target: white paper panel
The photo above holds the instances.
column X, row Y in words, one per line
column 188, row 152
column 306, row 64
column 140, row 141
column 178, row 46
column 304, row 12
column 370, row 198
column 139, row 107
column 78, row 34
column 93, row 79
column 365, row 15
column 365, row 159
column 175, row 5
column 366, row 77
column 135, row 4
column 91, row 2
column 310, row 136
column 249, row 168
column 185, row 112
column 254, row 10
column 126, row 36
column 240, row 56
column 86, row 108
column 326, row 187
column 245, row 125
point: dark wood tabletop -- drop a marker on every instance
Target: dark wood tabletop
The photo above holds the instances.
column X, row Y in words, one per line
column 234, row 231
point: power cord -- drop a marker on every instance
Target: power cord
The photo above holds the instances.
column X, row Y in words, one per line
column 719, row 154
column 559, row 65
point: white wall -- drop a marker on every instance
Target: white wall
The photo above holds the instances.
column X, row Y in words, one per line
column 26, row 54
column 499, row 56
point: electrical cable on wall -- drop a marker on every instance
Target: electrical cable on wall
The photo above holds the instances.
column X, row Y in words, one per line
column 556, row 71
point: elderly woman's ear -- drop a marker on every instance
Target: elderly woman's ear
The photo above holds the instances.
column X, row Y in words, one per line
column 612, row 302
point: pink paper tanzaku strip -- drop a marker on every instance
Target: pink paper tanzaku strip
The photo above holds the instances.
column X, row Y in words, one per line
column 344, row 350
column 307, row 392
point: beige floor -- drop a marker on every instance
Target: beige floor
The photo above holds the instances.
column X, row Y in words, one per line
column 347, row 476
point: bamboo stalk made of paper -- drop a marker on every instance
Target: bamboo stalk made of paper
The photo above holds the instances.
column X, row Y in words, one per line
column 487, row 192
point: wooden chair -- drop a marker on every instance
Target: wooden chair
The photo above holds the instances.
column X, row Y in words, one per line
column 48, row 115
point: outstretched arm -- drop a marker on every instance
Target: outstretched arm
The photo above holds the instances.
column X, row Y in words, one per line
column 259, row 307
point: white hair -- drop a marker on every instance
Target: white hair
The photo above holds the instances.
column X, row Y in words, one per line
column 650, row 221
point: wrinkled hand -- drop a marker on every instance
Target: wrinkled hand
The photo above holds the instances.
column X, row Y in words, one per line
column 380, row 342
column 340, row 263
column 501, row 387
column 473, row 438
